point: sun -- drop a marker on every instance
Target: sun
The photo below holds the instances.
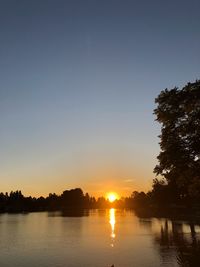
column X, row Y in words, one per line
column 112, row 196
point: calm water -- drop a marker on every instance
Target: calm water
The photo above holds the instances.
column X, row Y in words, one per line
column 100, row 239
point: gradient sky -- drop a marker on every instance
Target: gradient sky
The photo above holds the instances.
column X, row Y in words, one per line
column 78, row 81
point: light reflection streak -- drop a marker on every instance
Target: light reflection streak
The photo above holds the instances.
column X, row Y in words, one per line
column 112, row 223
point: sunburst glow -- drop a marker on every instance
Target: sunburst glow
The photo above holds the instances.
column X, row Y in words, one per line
column 112, row 196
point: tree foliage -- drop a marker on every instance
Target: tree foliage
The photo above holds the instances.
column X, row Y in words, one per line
column 178, row 112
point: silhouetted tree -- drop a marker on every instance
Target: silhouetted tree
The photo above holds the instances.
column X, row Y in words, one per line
column 73, row 197
column 102, row 202
column 163, row 193
column 178, row 111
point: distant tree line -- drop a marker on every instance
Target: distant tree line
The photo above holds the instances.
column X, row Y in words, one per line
column 17, row 202
column 73, row 199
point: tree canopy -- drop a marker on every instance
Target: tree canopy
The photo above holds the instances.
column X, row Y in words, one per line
column 178, row 112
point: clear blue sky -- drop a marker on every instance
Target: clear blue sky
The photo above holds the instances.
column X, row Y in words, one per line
column 78, row 81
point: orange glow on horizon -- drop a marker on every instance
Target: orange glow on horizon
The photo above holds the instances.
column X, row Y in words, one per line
column 112, row 196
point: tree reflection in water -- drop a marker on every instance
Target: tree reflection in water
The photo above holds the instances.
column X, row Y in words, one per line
column 175, row 243
column 69, row 213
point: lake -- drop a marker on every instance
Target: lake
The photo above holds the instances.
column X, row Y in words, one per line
column 96, row 238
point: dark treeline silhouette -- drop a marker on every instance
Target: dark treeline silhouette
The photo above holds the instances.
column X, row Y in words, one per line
column 73, row 202
column 69, row 200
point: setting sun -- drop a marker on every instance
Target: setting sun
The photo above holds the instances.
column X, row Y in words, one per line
column 112, row 196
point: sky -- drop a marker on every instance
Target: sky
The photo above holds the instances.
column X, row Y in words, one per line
column 78, row 81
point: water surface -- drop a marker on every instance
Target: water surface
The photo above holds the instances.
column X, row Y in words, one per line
column 98, row 239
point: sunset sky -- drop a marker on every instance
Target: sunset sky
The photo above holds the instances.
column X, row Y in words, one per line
column 78, row 81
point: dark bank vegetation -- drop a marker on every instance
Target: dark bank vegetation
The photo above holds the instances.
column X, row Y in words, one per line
column 17, row 202
column 73, row 199
column 175, row 190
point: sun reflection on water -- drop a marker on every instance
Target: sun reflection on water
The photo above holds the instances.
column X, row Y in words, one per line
column 112, row 223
